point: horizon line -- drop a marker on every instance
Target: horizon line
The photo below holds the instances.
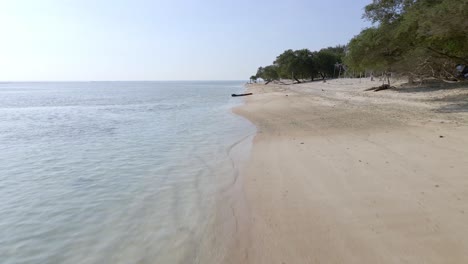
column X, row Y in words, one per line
column 30, row 81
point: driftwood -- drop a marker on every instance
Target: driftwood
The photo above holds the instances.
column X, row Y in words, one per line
column 380, row 88
column 451, row 81
column 236, row 95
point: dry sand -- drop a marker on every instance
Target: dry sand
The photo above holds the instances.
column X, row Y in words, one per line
column 338, row 175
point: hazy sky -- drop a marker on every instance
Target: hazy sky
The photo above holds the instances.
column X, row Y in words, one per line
column 163, row 40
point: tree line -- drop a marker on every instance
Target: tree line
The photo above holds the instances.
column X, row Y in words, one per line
column 299, row 65
column 414, row 38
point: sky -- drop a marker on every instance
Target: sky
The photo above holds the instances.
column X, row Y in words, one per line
column 98, row 40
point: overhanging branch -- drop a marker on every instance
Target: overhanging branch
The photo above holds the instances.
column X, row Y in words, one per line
column 465, row 60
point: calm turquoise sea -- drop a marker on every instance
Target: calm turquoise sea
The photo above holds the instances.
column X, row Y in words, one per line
column 113, row 172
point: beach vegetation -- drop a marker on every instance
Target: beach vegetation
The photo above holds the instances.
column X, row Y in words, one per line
column 417, row 38
column 268, row 73
column 295, row 64
column 253, row 79
column 414, row 38
column 302, row 65
column 326, row 59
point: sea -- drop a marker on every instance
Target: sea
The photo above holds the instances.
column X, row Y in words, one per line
column 115, row 172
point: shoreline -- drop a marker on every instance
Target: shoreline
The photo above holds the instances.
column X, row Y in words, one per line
column 225, row 228
column 338, row 175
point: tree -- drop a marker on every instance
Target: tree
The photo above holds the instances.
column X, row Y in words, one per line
column 414, row 37
column 371, row 50
column 307, row 66
column 302, row 64
column 288, row 65
column 325, row 60
column 253, row 79
column 386, row 11
column 442, row 27
column 295, row 65
column 268, row 73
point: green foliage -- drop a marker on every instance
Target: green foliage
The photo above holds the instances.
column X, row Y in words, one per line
column 307, row 67
column 303, row 64
column 268, row 73
column 326, row 59
column 418, row 37
column 296, row 64
column 386, row 11
column 443, row 27
column 369, row 50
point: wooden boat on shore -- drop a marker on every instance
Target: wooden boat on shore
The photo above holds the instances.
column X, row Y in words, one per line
column 244, row 94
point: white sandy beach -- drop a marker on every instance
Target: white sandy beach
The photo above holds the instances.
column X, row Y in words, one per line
column 338, row 175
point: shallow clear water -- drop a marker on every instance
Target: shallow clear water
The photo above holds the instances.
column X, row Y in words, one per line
column 112, row 172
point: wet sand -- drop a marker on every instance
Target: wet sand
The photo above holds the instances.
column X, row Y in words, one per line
column 338, row 175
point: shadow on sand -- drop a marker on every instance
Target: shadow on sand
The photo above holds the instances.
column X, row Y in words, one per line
column 454, row 103
column 457, row 103
column 453, row 108
column 431, row 86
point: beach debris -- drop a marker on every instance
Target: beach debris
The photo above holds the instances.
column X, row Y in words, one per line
column 380, row 88
column 437, row 186
column 441, row 136
column 302, row 143
column 244, row 94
